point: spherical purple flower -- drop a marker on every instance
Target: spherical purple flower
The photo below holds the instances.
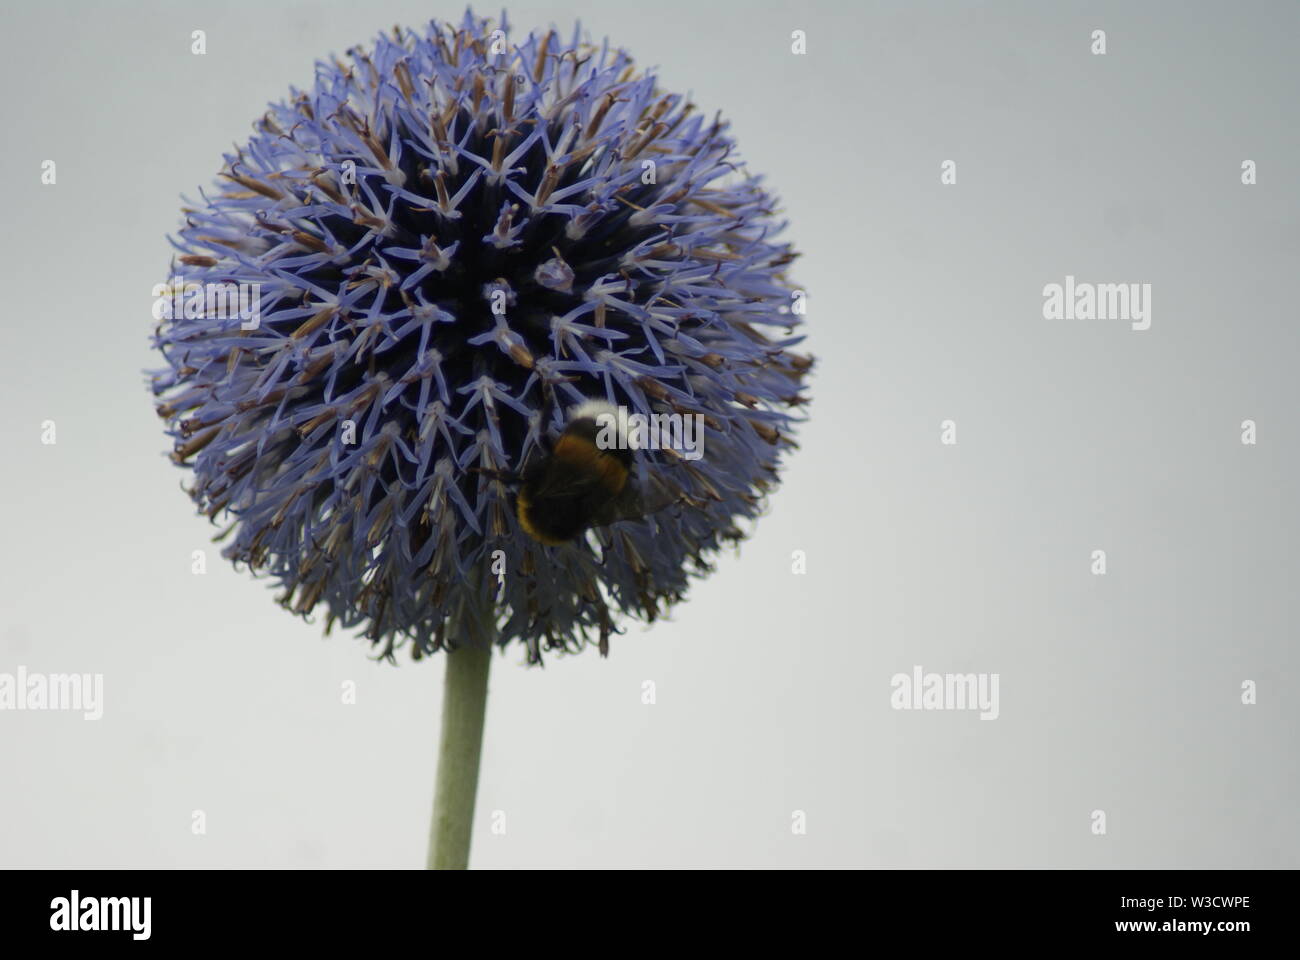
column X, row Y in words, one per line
column 439, row 250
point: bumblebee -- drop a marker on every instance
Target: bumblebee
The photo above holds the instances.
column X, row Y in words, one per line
column 577, row 483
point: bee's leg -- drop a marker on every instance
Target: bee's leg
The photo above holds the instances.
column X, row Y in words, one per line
column 544, row 442
column 547, row 385
column 547, row 412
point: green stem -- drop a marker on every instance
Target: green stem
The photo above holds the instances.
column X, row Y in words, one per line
column 464, row 702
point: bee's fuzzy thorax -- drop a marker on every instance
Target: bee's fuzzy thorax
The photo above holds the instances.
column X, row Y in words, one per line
column 593, row 409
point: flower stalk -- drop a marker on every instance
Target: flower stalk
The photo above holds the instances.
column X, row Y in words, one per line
column 464, row 707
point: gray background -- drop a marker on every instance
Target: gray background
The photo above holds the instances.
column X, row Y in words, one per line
column 1119, row 693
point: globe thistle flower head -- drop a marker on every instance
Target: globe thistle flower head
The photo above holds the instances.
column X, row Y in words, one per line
column 454, row 238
